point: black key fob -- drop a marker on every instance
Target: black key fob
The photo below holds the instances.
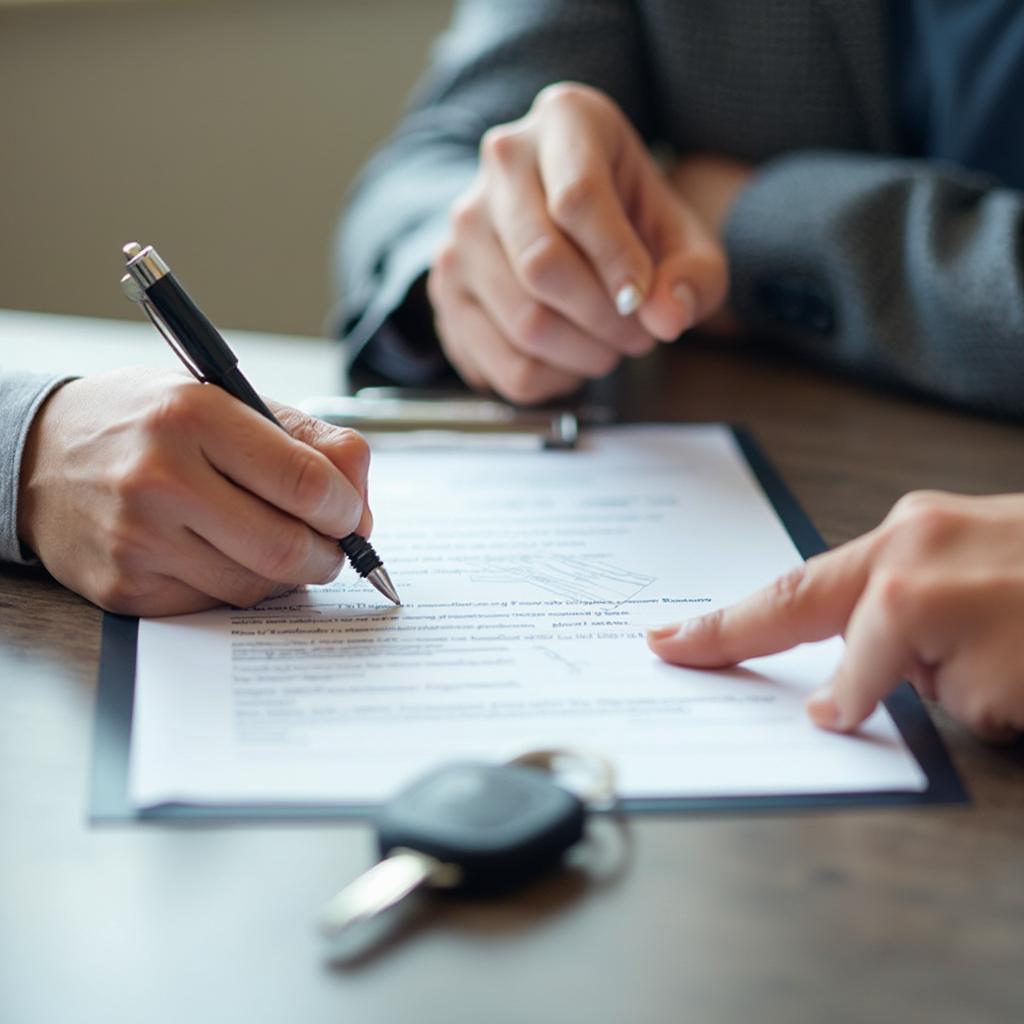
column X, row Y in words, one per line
column 498, row 824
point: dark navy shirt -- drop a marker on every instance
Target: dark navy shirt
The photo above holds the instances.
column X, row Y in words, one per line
column 959, row 82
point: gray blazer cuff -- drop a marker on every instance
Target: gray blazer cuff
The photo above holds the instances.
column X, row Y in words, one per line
column 898, row 269
column 774, row 242
column 21, row 396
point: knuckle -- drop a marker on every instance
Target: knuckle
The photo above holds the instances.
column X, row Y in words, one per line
column 125, row 545
column 500, row 144
column 522, row 383
column 469, row 373
column 913, row 500
column 432, row 285
column 449, row 338
column 465, row 214
column 531, row 328
column 897, row 593
column 569, row 95
column 787, row 593
column 287, row 553
column 926, row 525
column 244, row 589
column 306, row 481
column 917, row 504
column 120, row 594
column 446, row 259
column 355, row 450
column 143, row 493
column 539, row 264
column 138, row 479
column 345, row 444
column 178, row 409
column 439, row 276
column 573, row 201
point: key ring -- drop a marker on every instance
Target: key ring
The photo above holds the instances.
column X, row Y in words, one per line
column 567, row 764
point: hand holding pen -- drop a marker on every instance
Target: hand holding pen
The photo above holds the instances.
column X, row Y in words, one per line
column 151, row 494
column 208, row 358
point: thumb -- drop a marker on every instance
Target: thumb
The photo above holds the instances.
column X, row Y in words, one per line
column 691, row 272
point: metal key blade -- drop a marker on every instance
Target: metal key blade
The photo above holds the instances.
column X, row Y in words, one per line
column 380, row 888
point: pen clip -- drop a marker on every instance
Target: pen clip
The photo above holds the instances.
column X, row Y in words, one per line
column 144, row 269
column 161, row 325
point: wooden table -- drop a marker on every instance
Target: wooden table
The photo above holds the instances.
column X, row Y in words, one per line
column 901, row 915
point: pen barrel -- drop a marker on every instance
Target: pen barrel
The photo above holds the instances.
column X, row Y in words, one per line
column 186, row 320
column 234, row 382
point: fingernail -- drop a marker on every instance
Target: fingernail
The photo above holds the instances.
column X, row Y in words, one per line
column 822, row 708
column 285, row 588
column 663, row 632
column 687, row 298
column 628, row 299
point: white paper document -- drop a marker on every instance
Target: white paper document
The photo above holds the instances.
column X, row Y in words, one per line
column 529, row 580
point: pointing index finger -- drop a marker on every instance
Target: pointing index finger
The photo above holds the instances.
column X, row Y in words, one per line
column 812, row 602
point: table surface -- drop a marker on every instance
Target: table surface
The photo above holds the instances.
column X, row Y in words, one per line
column 909, row 914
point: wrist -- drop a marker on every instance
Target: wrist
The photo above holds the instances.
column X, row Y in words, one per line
column 711, row 186
column 31, row 471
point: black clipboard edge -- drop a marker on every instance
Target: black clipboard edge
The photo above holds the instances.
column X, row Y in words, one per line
column 112, row 727
column 110, row 804
column 904, row 705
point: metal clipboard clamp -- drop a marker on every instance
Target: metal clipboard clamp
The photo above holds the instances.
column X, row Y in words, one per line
column 410, row 419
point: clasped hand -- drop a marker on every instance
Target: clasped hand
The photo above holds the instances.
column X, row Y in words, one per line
column 569, row 251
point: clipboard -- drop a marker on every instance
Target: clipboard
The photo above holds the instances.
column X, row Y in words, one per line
column 109, row 800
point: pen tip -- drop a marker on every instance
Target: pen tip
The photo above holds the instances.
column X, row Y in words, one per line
column 382, row 581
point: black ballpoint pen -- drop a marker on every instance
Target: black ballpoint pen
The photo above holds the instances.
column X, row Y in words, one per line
column 208, row 358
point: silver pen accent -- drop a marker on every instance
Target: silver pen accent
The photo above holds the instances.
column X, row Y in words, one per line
column 382, row 581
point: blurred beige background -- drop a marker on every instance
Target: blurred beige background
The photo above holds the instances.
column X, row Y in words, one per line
column 225, row 132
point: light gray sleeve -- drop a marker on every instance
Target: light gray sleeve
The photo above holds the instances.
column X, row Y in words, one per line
column 21, row 395
column 486, row 70
column 904, row 270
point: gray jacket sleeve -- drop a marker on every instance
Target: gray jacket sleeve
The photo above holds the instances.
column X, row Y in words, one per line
column 486, row 70
column 902, row 270
column 21, row 395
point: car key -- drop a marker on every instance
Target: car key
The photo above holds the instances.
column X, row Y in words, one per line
column 468, row 826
